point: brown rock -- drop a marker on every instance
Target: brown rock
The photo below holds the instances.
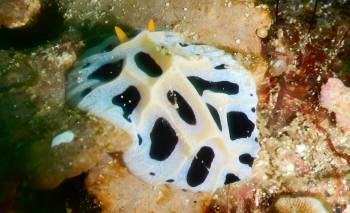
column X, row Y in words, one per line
column 17, row 13
column 299, row 204
column 229, row 24
column 120, row 191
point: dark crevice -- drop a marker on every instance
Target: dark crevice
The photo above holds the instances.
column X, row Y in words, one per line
column 70, row 195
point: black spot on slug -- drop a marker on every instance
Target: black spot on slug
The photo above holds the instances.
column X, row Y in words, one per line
column 127, row 100
column 163, row 140
column 86, row 65
column 85, row 92
column 152, row 173
column 246, row 159
column 253, row 109
column 183, row 108
column 200, row 166
column 214, row 113
column 169, row 180
column 220, row 67
column 140, row 139
column 183, row 44
column 147, row 64
column 231, row 178
column 107, row 72
column 220, row 86
column 239, row 125
column 110, row 46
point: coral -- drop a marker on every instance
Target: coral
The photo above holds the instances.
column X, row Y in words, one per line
column 299, row 205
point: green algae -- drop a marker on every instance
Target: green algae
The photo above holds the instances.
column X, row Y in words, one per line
column 15, row 71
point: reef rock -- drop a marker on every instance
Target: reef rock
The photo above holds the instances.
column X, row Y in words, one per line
column 335, row 97
column 17, row 13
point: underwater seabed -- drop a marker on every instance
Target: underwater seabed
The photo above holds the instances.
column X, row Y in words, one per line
column 35, row 60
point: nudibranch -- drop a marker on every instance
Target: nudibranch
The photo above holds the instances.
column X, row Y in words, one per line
column 188, row 108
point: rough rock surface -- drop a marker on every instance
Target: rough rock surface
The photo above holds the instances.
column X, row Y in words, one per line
column 92, row 137
column 297, row 160
column 33, row 112
column 335, row 97
column 305, row 153
column 120, row 191
column 229, row 24
column 302, row 152
column 17, row 13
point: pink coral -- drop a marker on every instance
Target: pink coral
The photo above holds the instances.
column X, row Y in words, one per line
column 335, row 97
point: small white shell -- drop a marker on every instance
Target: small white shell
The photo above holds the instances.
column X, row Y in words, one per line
column 63, row 137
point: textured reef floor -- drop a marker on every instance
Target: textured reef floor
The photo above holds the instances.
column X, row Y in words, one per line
column 291, row 47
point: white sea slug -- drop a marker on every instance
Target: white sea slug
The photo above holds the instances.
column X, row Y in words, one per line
column 189, row 108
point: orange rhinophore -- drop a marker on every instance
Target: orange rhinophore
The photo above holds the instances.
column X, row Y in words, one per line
column 120, row 34
column 151, row 26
